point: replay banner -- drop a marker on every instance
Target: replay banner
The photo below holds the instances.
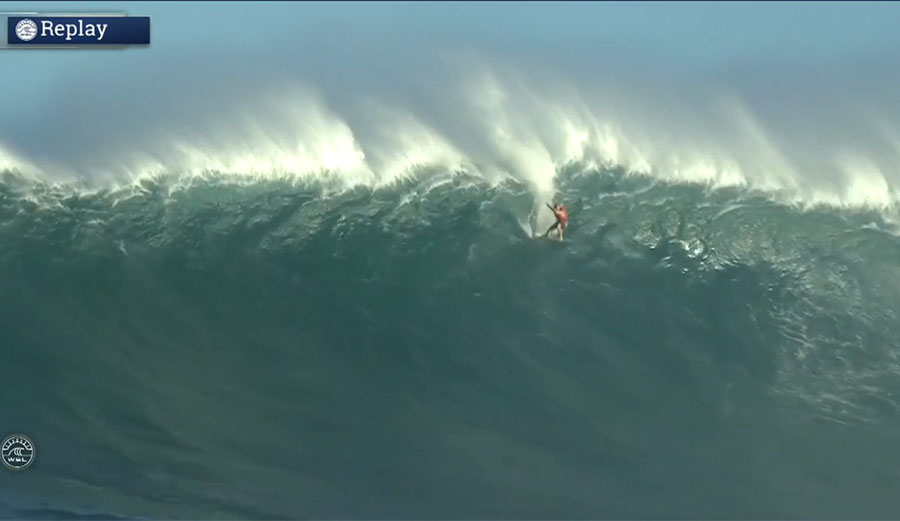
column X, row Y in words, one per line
column 71, row 30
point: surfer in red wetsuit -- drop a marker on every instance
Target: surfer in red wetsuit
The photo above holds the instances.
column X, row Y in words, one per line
column 562, row 219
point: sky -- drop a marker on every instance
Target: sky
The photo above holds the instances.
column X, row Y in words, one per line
column 691, row 32
column 784, row 67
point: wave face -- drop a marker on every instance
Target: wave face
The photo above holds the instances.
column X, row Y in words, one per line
column 269, row 349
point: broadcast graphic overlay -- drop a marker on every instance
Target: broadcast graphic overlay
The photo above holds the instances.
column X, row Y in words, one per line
column 34, row 30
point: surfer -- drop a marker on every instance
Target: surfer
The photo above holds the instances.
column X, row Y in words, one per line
column 562, row 219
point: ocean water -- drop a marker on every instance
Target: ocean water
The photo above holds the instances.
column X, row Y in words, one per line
column 221, row 347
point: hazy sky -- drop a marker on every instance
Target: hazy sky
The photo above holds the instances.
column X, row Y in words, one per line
column 684, row 34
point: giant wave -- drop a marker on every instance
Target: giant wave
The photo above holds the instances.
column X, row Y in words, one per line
column 261, row 346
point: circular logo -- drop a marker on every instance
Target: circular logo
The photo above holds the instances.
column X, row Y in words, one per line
column 17, row 452
column 26, row 30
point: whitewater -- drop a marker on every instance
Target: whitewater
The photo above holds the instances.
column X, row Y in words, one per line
column 225, row 298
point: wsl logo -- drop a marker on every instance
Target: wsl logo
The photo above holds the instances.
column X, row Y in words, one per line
column 17, row 452
column 26, row 30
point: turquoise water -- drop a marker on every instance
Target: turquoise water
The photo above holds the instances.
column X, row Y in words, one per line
column 273, row 350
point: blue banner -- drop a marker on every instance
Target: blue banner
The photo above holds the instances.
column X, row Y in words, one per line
column 78, row 30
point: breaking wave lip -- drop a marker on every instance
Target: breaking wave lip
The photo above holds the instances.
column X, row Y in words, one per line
column 486, row 120
column 418, row 180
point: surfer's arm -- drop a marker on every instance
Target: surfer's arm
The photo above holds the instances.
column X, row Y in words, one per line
column 555, row 213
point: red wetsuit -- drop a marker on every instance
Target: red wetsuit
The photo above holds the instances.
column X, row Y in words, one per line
column 563, row 215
